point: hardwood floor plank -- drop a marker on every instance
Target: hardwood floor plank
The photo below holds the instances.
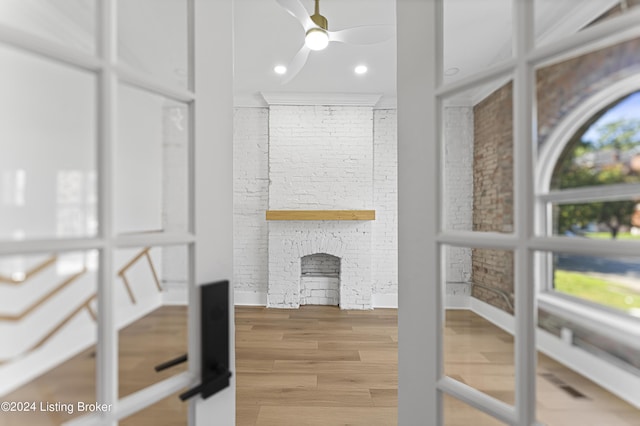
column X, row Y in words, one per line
column 305, row 397
column 346, row 345
column 254, row 365
column 247, row 415
column 384, row 397
column 301, row 354
column 357, row 381
column 342, row 367
column 379, row 356
column 336, row 335
column 282, row 381
column 247, row 343
column 323, row 416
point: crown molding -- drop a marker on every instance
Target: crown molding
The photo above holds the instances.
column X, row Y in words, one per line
column 387, row 102
column 333, row 99
column 249, row 100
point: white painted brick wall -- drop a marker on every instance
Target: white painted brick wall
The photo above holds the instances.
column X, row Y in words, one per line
column 385, row 199
column 320, row 157
column 458, row 194
column 250, row 198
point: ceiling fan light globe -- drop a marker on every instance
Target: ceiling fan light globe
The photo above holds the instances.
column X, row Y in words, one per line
column 316, row 39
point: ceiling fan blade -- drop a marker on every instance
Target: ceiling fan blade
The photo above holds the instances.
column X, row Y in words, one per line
column 368, row 34
column 297, row 63
column 297, row 10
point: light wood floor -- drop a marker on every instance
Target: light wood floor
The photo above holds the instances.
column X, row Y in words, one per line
column 323, row 366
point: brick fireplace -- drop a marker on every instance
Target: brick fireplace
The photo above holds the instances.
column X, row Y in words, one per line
column 291, row 241
column 320, row 161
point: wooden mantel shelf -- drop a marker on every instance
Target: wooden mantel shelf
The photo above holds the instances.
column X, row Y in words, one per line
column 321, row 214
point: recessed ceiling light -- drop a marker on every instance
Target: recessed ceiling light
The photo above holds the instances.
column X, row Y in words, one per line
column 452, row 71
column 280, row 69
column 361, row 69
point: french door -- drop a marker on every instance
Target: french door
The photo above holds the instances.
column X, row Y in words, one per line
column 117, row 194
column 430, row 235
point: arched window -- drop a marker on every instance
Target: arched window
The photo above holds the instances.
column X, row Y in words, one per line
column 589, row 187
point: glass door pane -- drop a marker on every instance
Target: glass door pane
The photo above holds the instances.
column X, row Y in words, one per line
column 477, row 351
column 48, row 145
column 152, row 39
column 71, row 23
column 151, row 160
column 490, row 22
column 48, row 317
column 151, row 333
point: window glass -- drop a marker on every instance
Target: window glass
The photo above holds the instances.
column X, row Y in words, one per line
column 598, row 220
column 610, row 281
column 606, row 150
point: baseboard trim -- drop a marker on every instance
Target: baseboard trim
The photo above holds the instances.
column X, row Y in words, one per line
column 384, row 300
column 496, row 316
column 259, row 298
column 175, row 297
column 378, row 300
column 455, row 301
column 250, row 298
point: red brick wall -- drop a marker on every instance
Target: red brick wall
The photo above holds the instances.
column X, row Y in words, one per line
column 493, row 192
column 563, row 86
column 560, row 88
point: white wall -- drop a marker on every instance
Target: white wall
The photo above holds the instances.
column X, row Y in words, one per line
column 374, row 142
column 320, row 157
column 250, row 198
column 384, row 229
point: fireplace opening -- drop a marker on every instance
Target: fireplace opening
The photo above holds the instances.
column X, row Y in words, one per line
column 320, row 279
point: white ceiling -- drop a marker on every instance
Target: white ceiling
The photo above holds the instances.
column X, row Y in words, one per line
column 477, row 34
column 266, row 35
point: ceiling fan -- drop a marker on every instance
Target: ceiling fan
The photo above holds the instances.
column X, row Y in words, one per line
column 318, row 36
